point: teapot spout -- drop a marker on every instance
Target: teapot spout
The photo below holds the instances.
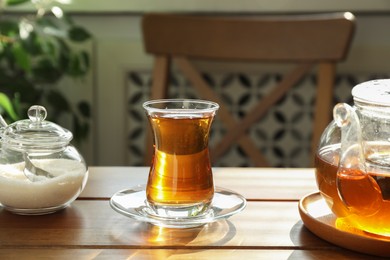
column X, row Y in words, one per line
column 351, row 150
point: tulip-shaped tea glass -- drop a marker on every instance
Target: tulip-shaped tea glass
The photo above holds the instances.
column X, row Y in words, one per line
column 180, row 183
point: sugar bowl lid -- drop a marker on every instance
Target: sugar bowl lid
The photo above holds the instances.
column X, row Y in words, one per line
column 35, row 133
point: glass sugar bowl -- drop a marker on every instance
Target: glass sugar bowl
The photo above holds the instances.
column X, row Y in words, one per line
column 40, row 171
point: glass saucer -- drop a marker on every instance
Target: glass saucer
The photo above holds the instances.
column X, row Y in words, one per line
column 132, row 203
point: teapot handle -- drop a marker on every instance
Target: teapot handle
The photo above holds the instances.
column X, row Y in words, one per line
column 351, row 151
column 352, row 180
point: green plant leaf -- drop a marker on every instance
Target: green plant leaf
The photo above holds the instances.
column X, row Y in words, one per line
column 6, row 104
column 78, row 34
column 48, row 47
column 21, row 57
column 32, row 45
column 78, row 65
column 9, row 27
column 18, row 85
column 31, row 66
column 46, row 21
column 84, row 109
column 81, row 129
column 46, row 71
column 16, row 2
column 74, row 66
column 64, row 53
column 68, row 19
column 85, row 58
column 58, row 101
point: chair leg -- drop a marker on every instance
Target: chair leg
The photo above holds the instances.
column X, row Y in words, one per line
column 236, row 131
column 158, row 90
column 205, row 91
column 324, row 98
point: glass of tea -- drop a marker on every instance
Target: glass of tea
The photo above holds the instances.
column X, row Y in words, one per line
column 180, row 183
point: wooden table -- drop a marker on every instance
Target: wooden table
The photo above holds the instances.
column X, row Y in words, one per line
column 269, row 227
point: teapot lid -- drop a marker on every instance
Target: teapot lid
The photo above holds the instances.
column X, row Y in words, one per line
column 35, row 132
column 376, row 92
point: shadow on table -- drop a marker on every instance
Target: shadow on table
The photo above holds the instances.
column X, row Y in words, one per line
column 302, row 237
column 141, row 233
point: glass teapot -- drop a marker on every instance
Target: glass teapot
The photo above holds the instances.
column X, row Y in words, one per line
column 353, row 160
column 40, row 172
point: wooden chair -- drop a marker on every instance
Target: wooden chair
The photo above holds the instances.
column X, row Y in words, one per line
column 304, row 40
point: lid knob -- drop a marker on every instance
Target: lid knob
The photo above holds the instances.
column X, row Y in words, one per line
column 37, row 113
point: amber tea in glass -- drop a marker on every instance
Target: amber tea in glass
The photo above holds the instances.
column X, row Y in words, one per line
column 180, row 182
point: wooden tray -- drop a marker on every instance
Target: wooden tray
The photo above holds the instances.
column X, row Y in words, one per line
column 319, row 219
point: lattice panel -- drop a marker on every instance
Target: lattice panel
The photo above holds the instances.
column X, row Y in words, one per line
column 283, row 134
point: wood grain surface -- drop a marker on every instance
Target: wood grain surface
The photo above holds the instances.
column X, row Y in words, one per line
column 268, row 228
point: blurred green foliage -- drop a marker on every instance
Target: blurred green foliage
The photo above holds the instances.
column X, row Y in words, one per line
column 36, row 52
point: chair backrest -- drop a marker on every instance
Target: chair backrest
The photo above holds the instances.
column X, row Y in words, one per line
column 304, row 40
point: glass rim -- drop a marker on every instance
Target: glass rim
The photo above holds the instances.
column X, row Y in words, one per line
column 212, row 106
